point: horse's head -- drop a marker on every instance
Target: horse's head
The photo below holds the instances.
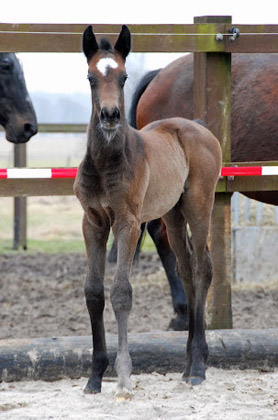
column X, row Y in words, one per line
column 17, row 114
column 107, row 76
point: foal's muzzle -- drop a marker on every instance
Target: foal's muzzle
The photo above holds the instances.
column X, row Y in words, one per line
column 110, row 118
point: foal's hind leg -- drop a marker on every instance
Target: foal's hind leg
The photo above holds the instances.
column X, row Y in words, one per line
column 95, row 240
column 195, row 270
column 126, row 233
column 180, row 243
column 197, row 205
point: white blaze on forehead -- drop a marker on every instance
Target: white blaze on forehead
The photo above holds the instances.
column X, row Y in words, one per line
column 104, row 64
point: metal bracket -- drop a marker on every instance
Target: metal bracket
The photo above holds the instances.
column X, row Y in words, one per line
column 219, row 37
column 231, row 177
column 235, row 32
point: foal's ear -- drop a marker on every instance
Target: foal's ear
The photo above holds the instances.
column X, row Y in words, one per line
column 123, row 42
column 90, row 45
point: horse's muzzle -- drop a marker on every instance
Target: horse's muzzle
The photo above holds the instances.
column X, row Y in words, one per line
column 21, row 133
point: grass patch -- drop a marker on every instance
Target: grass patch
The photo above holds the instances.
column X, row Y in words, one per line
column 60, row 245
column 44, row 246
column 54, row 225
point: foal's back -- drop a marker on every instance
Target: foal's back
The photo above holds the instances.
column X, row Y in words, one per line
column 177, row 151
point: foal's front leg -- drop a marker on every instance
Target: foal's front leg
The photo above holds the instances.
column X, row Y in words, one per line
column 126, row 234
column 95, row 239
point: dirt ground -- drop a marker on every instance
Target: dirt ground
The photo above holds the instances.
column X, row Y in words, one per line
column 42, row 295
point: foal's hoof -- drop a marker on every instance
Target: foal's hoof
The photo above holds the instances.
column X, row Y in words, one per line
column 180, row 323
column 193, row 380
column 196, row 380
column 124, row 394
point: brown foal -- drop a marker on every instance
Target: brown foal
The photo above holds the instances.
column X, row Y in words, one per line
column 168, row 169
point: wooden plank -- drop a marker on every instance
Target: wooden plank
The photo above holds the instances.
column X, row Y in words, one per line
column 254, row 39
column 44, row 187
column 55, row 358
column 145, row 38
column 252, row 183
column 62, row 128
column 70, row 43
column 219, row 303
column 247, row 184
column 199, row 37
column 212, row 104
column 35, row 187
column 110, row 29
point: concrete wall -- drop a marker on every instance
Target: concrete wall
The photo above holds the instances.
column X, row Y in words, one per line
column 255, row 254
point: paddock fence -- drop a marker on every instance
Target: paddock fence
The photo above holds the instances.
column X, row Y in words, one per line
column 212, row 39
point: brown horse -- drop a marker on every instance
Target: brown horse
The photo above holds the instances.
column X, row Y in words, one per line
column 169, row 169
column 254, row 136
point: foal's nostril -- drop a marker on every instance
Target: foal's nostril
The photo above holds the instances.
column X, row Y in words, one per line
column 116, row 114
column 103, row 114
column 110, row 115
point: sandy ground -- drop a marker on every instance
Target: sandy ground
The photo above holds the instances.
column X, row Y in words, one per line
column 231, row 395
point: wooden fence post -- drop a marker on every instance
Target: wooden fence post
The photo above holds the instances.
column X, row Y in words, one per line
column 212, row 104
column 20, row 203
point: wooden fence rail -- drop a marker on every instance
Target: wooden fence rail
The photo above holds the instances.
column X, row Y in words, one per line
column 211, row 41
column 199, row 37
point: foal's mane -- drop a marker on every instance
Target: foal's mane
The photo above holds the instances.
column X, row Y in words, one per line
column 105, row 45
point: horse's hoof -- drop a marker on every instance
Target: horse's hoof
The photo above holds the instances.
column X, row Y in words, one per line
column 180, row 323
column 92, row 388
column 196, row 380
column 124, row 394
column 88, row 390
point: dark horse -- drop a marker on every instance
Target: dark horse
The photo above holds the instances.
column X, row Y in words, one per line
column 17, row 114
column 169, row 92
column 168, row 169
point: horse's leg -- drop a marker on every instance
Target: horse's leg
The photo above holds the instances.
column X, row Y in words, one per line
column 139, row 244
column 95, row 240
column 112, row 255
column 157, row 231
column 127, row 234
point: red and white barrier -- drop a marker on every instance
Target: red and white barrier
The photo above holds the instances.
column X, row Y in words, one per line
column 249, row 170
column 43, row 173
column 47, row 173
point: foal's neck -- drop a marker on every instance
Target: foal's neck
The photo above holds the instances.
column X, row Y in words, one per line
column 100, row 148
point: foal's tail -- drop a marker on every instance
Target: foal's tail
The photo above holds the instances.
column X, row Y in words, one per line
column 140, row 89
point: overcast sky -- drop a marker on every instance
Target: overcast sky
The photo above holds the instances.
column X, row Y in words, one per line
column 132, row 11
column 41, row 71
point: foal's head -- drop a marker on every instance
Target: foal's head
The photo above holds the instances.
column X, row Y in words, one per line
column 107, row 76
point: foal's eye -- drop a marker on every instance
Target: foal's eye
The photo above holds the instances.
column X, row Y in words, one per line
column 92, row 81
column 123, row 80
